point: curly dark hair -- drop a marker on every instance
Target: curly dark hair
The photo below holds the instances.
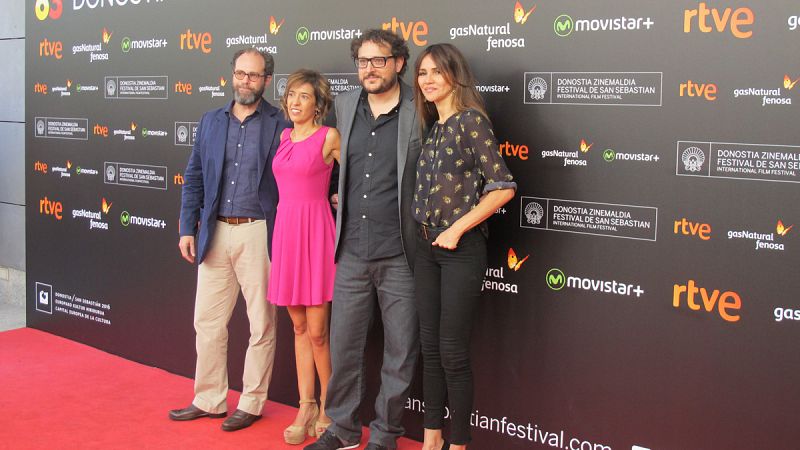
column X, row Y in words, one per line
column 383, row 37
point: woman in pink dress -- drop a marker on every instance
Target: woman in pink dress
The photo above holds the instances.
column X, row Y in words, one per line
column 303, row 267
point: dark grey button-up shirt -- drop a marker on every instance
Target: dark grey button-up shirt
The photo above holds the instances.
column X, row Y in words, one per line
column 371, row 218
column 239, row 193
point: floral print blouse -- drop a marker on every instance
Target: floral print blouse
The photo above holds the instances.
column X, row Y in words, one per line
column 460, row 162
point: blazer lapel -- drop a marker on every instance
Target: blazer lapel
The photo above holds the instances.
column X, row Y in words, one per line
column 404, row 131
column 216, row 148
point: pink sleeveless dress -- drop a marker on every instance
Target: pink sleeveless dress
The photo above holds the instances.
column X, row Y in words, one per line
column 303, row 269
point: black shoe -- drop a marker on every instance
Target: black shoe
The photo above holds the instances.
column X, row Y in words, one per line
column 238, row 420
column 329, row 441
column 192, row 412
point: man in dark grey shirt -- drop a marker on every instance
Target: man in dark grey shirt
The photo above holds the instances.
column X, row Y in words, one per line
column 374, row 244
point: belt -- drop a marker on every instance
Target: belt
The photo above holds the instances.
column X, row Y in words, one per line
column 236, row 220
column 430, row 233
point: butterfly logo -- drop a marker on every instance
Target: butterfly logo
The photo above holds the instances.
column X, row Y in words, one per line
column 781, row 229
column 106, row 206
column 515, row 263
column 274, row 26
column 520, row 16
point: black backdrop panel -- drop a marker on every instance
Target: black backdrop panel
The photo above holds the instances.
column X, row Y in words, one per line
column 651, row 304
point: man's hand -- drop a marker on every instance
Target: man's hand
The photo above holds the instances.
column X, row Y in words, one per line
column 335, row 201
column 186, row 245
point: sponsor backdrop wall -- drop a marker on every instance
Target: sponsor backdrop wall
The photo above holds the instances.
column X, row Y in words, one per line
column 641, row 291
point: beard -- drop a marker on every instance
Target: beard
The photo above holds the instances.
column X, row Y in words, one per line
column 383, row 86
column 247, row 99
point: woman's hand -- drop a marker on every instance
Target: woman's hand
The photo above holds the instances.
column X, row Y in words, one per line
column 448, row 239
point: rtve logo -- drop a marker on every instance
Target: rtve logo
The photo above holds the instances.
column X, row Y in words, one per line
column 705, row 90
column 178, row 179
column 183, row 88
column 48, row 8
column 415, row 31
column 727, row 303
column 520, row 151
column 100, row 130
column 40, row 88
column 689, row 228
column 39, row 166
column 196, row 41
column 735, row 19
column 51, row 208
column 49, row 48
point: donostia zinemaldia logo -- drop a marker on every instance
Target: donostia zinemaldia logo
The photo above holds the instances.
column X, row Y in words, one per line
column 563, row 25
column 534, row 213
column 556, row 280
column 282, row 86
column 302, row 35
column 40, row 127
column 111, row 87
column 126, row 44
column 693, row 159
column 125, row 218
column 609, row 155
column 183, row 133
column 111, row 173
column 537, row 87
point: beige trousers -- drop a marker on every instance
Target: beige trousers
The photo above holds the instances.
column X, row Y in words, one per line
column 237, row 258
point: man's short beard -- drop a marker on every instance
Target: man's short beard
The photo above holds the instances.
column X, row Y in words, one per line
column 383, row 87
column 247, row 100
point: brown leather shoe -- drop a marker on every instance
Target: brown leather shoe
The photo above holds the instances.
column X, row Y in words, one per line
column 192, row 412
column 238, row 420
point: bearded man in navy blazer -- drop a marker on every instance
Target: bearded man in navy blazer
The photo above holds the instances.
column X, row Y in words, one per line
column 228, row 203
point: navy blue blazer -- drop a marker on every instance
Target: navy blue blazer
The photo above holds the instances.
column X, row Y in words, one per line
column 203, row 177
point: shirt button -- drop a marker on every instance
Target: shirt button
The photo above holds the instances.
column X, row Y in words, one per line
column 232, row 182
column 235, row 164
column 369, row 154
column 242, row 126
column 239, row 145
column 363, row 217
column 367, row 175
column 365, row 195
column 373, row 133
column 229, row 201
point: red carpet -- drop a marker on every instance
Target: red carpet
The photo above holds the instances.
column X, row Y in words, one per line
column 59, row 394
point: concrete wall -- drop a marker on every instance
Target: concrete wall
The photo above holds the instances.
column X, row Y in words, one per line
column 12, row 152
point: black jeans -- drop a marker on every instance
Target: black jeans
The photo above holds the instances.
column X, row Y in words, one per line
column 447, row 284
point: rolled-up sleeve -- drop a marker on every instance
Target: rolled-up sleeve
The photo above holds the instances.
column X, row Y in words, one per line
column 491, row 166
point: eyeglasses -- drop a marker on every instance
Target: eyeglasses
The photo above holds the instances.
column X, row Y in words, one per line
column 252, row 76
column 377, row 61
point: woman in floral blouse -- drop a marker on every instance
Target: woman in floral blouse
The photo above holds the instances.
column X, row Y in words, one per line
column 461, row 181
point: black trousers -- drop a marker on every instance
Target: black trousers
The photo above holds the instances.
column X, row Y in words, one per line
column 447, row 284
